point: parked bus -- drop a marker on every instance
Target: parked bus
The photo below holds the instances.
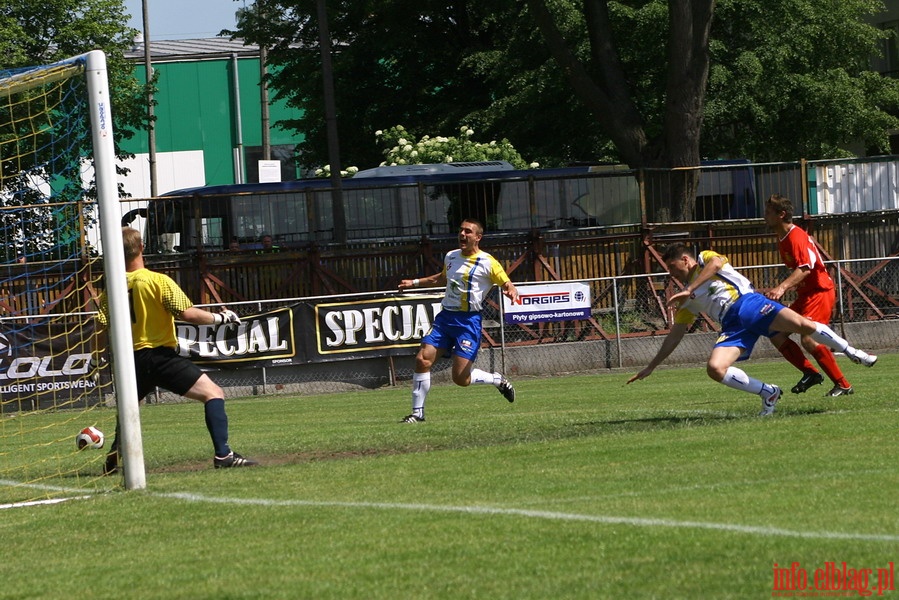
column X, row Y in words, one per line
column 402, row 202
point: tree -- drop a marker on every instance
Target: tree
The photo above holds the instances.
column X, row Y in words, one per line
column 36, row 33
column 792, row 79
column 787, row 79
column 604, row 86
column 396, row 61
column 654, row 84
column 400, row 148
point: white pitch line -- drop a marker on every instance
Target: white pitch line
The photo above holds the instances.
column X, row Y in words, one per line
column 45, row 487
column 39, row 502
column 549, row 515
column 488, row 510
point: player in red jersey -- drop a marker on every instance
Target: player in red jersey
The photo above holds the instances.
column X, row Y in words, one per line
column 815, row 298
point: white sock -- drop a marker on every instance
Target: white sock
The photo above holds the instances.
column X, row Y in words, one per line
column 825, row 335
column 481, row 377
column 421, row 384
column 738, row 379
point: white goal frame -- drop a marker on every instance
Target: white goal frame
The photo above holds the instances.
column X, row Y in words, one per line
column 99, row 102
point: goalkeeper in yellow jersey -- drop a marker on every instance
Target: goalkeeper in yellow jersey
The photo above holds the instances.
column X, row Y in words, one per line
column 155, row 302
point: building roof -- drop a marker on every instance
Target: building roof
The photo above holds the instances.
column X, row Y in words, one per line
column 200, row 49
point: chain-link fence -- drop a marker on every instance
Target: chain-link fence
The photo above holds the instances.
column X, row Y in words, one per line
column 627, row 323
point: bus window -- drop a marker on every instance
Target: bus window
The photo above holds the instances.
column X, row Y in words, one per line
column 211, row 232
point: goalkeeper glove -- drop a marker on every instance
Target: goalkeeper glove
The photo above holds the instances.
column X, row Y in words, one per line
column 226, row 316
column 93, row 367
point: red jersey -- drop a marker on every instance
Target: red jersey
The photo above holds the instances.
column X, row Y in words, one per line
column 798, row 250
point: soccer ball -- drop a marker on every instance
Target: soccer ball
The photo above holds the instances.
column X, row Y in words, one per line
column 90, row 437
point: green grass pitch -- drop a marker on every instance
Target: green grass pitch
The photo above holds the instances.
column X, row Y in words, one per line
column 670, row 487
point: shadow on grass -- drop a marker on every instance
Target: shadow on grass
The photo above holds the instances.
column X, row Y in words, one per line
column 674, row 421
column 466, row 438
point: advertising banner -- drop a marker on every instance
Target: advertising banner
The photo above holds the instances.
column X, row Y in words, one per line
column 549, row 302
column 311, row 333
column 259, row 340
column 45, row 365
column 48, row 365
column 380, row 327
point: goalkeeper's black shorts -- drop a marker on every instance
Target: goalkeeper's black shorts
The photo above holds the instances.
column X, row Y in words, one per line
column 164, row 367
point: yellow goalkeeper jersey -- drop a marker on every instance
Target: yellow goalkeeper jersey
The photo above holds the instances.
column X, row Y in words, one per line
column 154, row 300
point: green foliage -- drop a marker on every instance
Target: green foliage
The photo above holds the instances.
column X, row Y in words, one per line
column 788, row 78
column 38, row 33
column 394, row 62
column 325, row 171
column 791, row 79
column 476, row 200
column 532, row 102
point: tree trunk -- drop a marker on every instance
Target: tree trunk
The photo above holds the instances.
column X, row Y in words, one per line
column 672, row 196
column 690, row 23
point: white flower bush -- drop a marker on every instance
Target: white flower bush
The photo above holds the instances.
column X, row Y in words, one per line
column 326, row 171
column 399, row 150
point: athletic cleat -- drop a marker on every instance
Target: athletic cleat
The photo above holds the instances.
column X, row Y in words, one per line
column 111, row 466
column 808, row 380
column 860, row 357
column 233, row 460
column 413, row 419
column 505, row 388
column 769, row 401
column 839, row 391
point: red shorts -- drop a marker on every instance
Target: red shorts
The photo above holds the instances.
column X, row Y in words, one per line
column 817, row 306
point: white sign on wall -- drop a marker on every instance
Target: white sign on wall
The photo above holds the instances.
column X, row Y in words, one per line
column 550, row 302
column 269, row 171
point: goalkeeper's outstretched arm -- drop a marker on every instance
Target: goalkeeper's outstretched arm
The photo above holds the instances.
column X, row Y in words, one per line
column 198, row 316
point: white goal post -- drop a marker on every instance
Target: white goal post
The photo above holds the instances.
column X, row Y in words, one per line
column 131, row 444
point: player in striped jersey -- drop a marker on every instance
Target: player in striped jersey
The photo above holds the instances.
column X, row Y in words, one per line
column 712, row 286
column 468, row 274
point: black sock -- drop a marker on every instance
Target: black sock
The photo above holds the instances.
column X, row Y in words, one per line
column 217, row 424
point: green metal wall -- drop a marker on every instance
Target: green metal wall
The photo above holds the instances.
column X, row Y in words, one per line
column 196, row 111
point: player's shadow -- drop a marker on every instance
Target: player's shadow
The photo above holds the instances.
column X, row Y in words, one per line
column 657, row 422
column 673, row 421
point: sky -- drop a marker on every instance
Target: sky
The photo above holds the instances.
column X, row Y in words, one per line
column 184, row 19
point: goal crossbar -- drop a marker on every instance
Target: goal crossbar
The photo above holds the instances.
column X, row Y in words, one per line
column 27, row 79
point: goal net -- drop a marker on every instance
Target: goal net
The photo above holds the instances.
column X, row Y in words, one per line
column 55, row 375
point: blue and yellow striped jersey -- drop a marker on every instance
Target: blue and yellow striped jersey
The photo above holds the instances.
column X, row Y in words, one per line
column 716, row 295
column 469, row 278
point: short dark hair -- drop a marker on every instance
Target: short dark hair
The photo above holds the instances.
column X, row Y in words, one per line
column 479, row 225
column 675, row 250
column 781, row 204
